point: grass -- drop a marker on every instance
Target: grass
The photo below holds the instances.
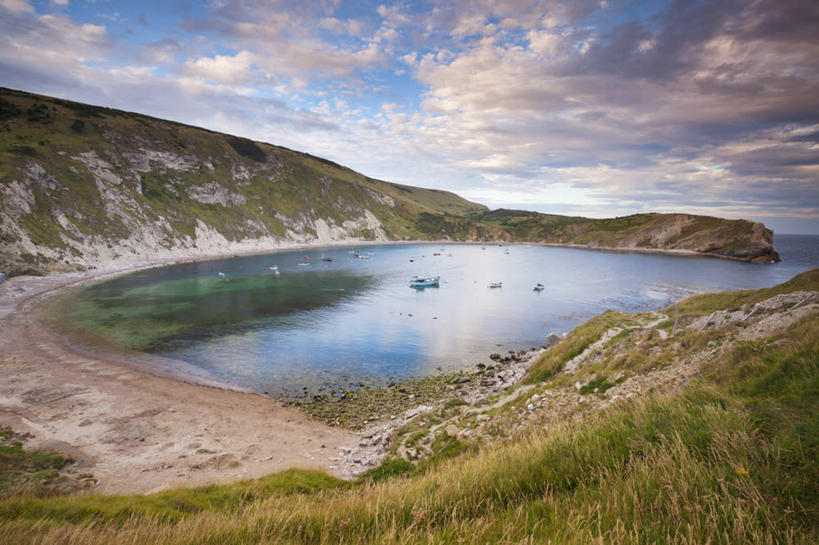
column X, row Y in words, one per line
column 732, row 458
column 28, row 472
column 573, row 345
column 700, row 305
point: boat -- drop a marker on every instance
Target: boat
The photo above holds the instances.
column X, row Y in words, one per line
column 506, row 252
column 495, row 285
column 424, row 281
column 303, row 264
column 539, row 287
column 363, row 257
column 275, row 269
column 436, row 253
column 326, row 258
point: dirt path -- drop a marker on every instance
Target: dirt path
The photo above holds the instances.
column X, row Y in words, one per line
column 136, row 432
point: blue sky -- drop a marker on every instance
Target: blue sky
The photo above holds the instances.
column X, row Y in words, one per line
column 594, row 108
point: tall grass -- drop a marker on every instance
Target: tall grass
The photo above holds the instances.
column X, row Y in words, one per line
column 733, row 458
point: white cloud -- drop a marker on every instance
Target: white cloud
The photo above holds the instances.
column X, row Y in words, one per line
column 232, row 70
column 17, row 6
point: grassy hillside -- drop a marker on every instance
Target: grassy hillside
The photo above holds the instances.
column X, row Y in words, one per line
column 728, row 455
column 738, row 239
column 82, row 185
column 81, row 180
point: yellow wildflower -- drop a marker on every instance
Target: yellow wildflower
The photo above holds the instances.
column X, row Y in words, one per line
column 742, row 471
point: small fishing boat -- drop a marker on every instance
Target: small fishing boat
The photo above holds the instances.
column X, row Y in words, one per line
column 436, row 253
column 303, row 264
column 326, row 258
column 363, row 257
column 539, row 287
column 424, row 281
column 495, row 285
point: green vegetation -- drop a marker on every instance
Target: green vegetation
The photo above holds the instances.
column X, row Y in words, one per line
column 356, row 407
column 731, row 458
column 112, row 176
column 28, row 472
column 700, row 305
column 574, row 344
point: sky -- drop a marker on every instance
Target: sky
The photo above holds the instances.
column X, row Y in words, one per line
column 595, row 108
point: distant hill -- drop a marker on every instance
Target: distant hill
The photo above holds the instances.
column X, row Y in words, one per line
column 82, row 185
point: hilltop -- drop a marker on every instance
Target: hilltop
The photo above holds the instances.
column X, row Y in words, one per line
column 82, row 186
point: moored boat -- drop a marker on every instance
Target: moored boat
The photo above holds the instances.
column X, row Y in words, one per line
column 495, row 285
column 539, row 287
column 425, row 281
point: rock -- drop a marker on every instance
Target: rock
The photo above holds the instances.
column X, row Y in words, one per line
column 577, row 386
column 452, row 430
column 535, row 398
column 552, row 339
column 461, row 380
column 494, row 357
column 530, row 407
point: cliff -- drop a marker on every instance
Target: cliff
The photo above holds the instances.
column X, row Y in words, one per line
column 82, row 185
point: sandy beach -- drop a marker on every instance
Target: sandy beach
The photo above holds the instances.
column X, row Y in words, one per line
column 138, row 432
column 141, row 429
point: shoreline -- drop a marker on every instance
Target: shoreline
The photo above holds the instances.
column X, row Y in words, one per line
column 54, row 284
column 139, row 430
column 136, row 431
column 124, row 265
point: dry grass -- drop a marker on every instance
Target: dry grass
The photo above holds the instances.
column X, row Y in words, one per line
column 733, row 458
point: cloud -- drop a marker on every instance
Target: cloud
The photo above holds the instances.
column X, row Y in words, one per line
column 16, row 6
column 591, row 107
column 236, row 69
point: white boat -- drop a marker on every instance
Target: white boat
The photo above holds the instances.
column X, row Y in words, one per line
column 495, row 285
column 424, row 281
column 303, row 264
column 539, row 287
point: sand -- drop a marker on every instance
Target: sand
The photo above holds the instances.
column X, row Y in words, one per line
column 138, row 432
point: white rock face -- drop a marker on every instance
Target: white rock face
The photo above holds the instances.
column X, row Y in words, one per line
column 147, row 160
column 213, row 193
column 102, row 170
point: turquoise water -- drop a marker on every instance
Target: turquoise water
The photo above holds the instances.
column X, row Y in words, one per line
column 356, row 320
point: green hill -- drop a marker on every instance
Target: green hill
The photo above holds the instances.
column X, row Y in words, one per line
column 82, row 186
